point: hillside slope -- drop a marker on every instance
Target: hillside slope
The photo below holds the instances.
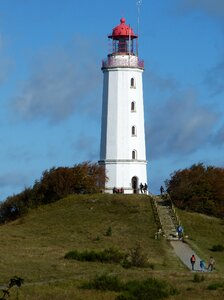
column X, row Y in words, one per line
column 34, row 246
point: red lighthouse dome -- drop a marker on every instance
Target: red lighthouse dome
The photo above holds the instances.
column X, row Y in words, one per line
column 122, row 31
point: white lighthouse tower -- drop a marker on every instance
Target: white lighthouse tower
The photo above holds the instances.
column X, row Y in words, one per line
column 122, row 149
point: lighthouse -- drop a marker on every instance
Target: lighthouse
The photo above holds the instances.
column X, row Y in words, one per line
column 122, row 148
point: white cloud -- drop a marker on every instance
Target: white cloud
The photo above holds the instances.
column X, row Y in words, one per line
column 180, row 126
column 59, row 84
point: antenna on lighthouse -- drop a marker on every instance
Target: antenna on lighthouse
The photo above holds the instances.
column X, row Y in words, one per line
column 138, row 3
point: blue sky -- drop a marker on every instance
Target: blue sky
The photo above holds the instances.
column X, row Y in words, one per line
column 51, row 84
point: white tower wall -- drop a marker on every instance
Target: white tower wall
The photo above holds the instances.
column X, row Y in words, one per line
column 123, row 128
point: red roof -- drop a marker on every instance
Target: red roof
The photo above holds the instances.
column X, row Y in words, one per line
column 122, row 30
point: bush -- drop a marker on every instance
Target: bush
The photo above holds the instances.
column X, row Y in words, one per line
column 215, row 286
column 109, row 231
column 133, row 290
column 110, row 255
column 217, row 248
column 198, row 278
column 138, row 258
column 104, row 282
column 149, row 289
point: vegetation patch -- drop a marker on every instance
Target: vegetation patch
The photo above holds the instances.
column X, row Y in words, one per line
column 198, row 278
column 132, row 290
column 110, row 255
column 198, row 188
column 135, row 258
column 217, row 248
column 56, row 183
column 104, row 282
column 215, row 286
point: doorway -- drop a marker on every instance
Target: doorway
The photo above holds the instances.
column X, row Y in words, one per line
column 134, row 183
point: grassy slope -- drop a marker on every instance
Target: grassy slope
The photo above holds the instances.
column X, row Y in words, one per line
column 33, row 247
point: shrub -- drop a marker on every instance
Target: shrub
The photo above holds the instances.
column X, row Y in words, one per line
column 133, row 290
column 110, row 255
column 109, row 231
column 104, row 282
column 149, row 289
column 138, row 258
column 215, row 286
column 198, row 278
column 217, row 248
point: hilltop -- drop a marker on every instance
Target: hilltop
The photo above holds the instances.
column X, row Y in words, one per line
column 33, row 247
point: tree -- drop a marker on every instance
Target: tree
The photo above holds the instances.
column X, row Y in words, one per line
column 54, row 184
column 198, row 188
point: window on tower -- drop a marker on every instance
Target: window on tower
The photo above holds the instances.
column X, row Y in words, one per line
column 134, row 154
column 133, row 106
column 132, row 82
column 133, row 131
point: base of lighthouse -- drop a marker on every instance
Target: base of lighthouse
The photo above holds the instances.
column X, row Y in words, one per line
column 124, row 175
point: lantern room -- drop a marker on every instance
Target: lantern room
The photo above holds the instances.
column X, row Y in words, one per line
column 123, row 39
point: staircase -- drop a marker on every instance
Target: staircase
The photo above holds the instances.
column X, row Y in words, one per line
column 165, row 215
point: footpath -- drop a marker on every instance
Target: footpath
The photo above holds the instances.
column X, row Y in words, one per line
column 167, row 220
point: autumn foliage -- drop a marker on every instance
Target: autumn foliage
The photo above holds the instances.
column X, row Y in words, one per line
column 54, row 184
column 198, row 188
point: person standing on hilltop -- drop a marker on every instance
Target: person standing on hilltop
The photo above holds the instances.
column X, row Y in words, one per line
column 141, row 187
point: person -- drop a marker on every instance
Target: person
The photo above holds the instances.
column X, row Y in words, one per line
column 141, row 187
column 193, row 260
column 211, row 263
column 202, row 265
column 180, row 232
column 161, row 190
column 145, row 188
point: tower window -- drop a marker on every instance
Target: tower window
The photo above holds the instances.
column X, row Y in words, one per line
column 133, row 131
column 134, row 154
column 133, row 106
column 132, row 82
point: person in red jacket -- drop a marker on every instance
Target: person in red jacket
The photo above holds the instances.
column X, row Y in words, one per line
column 192, row 260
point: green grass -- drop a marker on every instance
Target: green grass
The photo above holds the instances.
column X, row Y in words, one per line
column 34, row 247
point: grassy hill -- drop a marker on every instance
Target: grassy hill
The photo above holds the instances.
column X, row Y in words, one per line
column 33, row 247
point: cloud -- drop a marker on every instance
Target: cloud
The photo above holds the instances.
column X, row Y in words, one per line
column 180, row 126
column 214, row 79
column 213, row 8
column 59, row 84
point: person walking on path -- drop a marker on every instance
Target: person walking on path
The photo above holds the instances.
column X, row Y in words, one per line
column 202, row 265
column 211, row 263
column 192, row 260
column 180, row 232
